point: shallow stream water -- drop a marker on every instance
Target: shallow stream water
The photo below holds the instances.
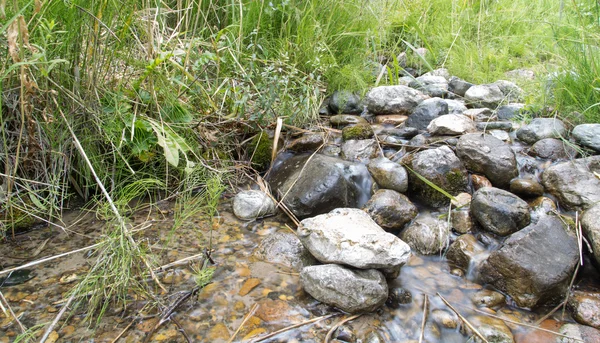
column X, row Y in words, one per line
column 247, row 298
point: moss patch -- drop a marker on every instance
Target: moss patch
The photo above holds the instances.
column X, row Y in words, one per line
column 260, row 151
column 361, row 131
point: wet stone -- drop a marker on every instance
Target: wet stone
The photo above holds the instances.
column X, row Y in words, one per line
column 362, row 150
column 388, row 174
column 585, row 307
column 480, row 181
column 426, row 235
column 342, row 120
column 499, row 211
column 574, row 183
column 526, row 187
column 464, row 251
column 251, row 204
column 445, row 319
column 552, row 149
column 390, row 209
column 391, row 119
column 494, row 330
column 306, row 143
column 462, row 221
column 541, row 128
column 488, row 298
column 359, row 131
column 284, row 248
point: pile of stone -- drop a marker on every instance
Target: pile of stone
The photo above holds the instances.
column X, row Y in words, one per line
column 358, row 195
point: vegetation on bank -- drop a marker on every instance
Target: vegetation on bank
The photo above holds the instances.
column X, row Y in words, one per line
column 152, row 98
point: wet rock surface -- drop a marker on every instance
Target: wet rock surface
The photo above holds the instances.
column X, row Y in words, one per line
column 534, row 265
column 390, row 210
column 499, row 211
column 574, row 183
column 286, row 249
column 251, row 204
column 388, row 174
column 591, row 229
column 588, row 135
column 488, row 155
column 320, row 184
column 350, row 290
column 426, row 235
column 541, row 128
column 585, row 307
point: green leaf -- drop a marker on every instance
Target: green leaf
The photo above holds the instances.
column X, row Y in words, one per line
column 431, row 184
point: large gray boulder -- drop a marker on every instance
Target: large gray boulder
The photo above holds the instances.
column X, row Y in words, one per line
column 489, row 96
column 488, row 155
column 509, row 111
column 425, row 112
column 345, row 102
column 458, row 86
column 251, row 204
column 442, row 168
column 574, row 183
column 390, row 209
column 318, row 184
column 393, row 99
column 360, row 150
column 541, row 128
column 349, row 236
column 535, row 265
column 427, row 235
column 348, row 289
column 588, row 135
column 286, row 249
column 552, row 149
column 499, row 211
column 388, row 174
column 591, row 229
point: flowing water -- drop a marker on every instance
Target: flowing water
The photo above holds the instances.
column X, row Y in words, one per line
column 247, row 298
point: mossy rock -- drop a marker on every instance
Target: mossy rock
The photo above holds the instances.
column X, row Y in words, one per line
column 18, row 221
column 260, row 149
column 360, row 131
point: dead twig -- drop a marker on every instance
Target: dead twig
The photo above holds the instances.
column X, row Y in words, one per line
column 464, row 320
column 275, row 333
column 252, row 310
column 123, row 332
column 338, row 324
column 23, row 329
column 424, row 320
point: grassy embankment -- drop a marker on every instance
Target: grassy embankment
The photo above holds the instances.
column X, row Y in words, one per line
column 148, row 98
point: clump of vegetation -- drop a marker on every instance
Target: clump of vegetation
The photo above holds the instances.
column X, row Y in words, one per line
column 260, row 149
column 359, row 131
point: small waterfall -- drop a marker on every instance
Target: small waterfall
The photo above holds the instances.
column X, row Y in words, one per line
column 358, row 175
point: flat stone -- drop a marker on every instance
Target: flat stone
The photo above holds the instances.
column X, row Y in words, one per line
column 588, row 135
column 451, row 124
column 251, row 204
column 393, row 100
column 499, row 211
column 574, row 183
column 541, row 128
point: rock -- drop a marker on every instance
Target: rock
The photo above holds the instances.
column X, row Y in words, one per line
column 511, row 92
column 427, row 235
column 499, row 211
column 552, row 149
column 501, row 135
column 320, row 184
column 480, row 181
column 397, row 297
column 541, row 128
column 462, row 221
column 494, row 125
column 445, row 319
column 577, row 333
column 361, row 150
column 286, row 249
column 494, row 330
column 350, row 290
column 535, row 265
column 342, row 120
column 431, row 85
column 465, row 251
column 391, row 119
column 306, row 143
column 451, row 124
column 359, row 131
column 480, row 114
column 455, row 106
column 331, row 150
column 441, row 167
column 488, row 155
column 390, row 209
column 488, row 96
column 509, row 111
column 526, row 187
column 252, row 204
column 349, row 236
column 585, row 308
column 425, row 112
column 388, row 174
column 588, row 135
column 461, row 200
column 488, row 298
column 591, row 229
column 458, row 86
column 443, row 72
column 393, row 99
column 403, row 132
column 345, row 102
column 574, row 183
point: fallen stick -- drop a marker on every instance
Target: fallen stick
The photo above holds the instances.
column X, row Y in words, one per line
column 467, row 323
column 337, row 325
column 424, row 320
column 275, row 333
column 252, row 310
column 11, row 312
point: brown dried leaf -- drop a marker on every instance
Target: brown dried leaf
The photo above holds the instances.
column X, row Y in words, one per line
column 38, row 6
column 12, row 34
column 2, row 7
column 24, row 31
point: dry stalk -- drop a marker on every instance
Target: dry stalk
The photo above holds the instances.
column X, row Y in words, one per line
column 338, row 324
column 275, row 333
column 424, row 321
column 252, row 310
column 23, row 329
column 467, row 323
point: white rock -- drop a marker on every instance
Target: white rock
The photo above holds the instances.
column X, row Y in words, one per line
column 451, row 124
column 251, row 204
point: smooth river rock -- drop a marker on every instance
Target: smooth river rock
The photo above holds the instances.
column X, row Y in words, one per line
column 286, row 249
column 590, row 225
column 541, row 128
column 489, row 96
column 318, row 184
column 388, row 174
column 251, row 204
column 390, row 209
column 441, row 167
column 349, row 236
column 348, row 289
column 451, row 124
column 427, row 110
column 574, row 183
column 427, row 235
column 393, row 99
column 535, row 265
column 552, row 149
column 488, row 155
column 499, row 211
column 588, row 135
